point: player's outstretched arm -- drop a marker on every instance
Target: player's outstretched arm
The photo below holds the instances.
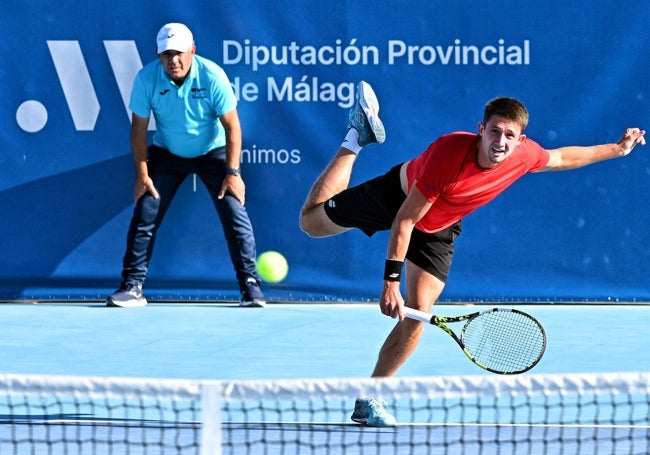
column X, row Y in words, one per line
column 573, row 157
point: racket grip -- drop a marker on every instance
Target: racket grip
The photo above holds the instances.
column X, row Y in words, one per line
column 418, row 315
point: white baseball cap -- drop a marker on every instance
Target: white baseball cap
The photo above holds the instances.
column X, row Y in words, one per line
column 174, row 36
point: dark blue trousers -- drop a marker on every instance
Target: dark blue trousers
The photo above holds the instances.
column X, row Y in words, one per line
column 168, row 171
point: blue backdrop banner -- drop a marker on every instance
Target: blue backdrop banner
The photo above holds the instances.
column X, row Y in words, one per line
column 66, row 173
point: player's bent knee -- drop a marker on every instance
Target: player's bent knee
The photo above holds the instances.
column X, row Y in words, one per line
column 317, row 224
column 308, row 226
column 313, row 229
column 314, row 221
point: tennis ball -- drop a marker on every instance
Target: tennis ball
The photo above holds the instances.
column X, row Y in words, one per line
column 272, row 267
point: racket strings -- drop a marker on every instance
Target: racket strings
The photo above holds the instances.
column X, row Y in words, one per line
column 504, row 341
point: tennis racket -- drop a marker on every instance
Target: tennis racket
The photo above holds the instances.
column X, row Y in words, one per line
column 500, row 340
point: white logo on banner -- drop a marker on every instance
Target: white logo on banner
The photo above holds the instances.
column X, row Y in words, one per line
column 77, row 85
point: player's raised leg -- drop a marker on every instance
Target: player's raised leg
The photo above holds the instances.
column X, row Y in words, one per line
column 365, row 128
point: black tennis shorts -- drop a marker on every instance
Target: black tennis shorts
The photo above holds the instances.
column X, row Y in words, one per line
column 372, row 206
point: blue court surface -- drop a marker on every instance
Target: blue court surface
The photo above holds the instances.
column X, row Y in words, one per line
column 283, row 341
column 313, row 340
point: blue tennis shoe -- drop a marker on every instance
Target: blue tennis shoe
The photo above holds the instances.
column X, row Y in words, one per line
column 364, row 116
column 372, row 412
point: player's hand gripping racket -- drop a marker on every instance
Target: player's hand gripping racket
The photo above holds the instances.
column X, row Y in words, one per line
column 500, row 340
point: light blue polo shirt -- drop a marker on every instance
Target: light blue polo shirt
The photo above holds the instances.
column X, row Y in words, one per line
column 187, row 117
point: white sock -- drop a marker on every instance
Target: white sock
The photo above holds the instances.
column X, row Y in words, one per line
column 351, row 141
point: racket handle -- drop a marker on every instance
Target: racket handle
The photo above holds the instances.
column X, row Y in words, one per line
column 418, row 315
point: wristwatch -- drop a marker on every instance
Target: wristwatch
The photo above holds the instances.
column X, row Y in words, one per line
column 235, row 171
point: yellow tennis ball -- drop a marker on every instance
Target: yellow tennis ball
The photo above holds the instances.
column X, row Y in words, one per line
column 272, row 267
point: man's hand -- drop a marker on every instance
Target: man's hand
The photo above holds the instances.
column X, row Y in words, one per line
column 234, row 185
column 630, row 139
column 142, row 186
column 391, row 301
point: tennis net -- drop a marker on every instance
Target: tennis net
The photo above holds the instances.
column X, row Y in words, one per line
column 488, row 414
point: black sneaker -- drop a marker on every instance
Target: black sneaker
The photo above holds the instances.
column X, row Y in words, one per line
column 252, row 295
column 129, row 297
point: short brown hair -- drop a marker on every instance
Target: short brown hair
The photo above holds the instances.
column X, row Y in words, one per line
column 509, row 108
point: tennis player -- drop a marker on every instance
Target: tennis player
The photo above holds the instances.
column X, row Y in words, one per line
column 422, row 203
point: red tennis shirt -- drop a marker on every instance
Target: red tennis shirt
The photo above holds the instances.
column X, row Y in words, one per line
column 448, row 175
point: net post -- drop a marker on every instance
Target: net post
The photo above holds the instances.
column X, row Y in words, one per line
column 210, row 418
